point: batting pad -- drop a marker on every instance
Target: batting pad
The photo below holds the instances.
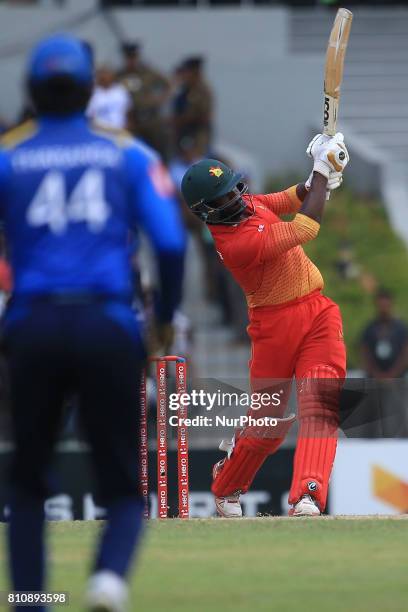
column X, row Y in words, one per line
column 318, row 404
column 240, row 469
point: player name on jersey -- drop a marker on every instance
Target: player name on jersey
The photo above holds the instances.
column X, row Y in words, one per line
column 44, row 157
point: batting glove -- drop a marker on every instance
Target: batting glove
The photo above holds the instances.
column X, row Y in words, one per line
column 318, row 141
column 334, row 181
column 329, row 154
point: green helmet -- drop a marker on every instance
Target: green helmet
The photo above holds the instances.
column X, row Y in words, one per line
column 205, row 182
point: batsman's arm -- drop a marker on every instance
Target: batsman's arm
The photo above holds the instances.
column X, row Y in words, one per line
column 283, row 236
column 313, row 205
column 285, row 202
column 277, row 238
column 301, row 192
column 305, row 226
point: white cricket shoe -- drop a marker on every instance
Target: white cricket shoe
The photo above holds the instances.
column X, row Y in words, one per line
column 228, row 507
column 306, row 506
column 106, row 592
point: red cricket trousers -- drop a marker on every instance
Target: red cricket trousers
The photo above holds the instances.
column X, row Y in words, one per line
column 291, row 339
column 302, row 339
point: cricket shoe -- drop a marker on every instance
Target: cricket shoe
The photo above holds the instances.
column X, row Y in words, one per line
column 228, row 506
column 306, row 506
column 106, row 592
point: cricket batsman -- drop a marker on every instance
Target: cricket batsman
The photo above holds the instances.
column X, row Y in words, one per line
column 295, row 330
column 70, row 194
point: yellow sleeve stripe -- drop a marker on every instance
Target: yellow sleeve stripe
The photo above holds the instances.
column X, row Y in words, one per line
column 296, row 202
column 19, row 134
column 122, row 138
column 307, row 227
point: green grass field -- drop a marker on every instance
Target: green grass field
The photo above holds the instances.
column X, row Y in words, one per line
column 252, row 564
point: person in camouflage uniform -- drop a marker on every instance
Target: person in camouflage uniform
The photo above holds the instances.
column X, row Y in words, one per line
column 192, row 106
column 149, row 90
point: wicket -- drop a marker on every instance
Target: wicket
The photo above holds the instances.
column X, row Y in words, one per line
column 161, row 431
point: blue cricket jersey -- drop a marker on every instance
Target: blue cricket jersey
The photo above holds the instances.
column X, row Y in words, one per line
column 69, row 194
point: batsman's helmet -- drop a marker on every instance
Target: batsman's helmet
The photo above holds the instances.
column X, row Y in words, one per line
column 207, row 181
column 60, row 74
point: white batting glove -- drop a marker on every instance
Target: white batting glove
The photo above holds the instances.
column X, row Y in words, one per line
column 334, row 181
column 317, row 141
column 329, row 154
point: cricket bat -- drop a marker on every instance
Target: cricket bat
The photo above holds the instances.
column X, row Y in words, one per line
column 333, row 75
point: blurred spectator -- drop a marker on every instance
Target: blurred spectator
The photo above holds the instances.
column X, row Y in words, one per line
column 183, row 337
column 188, row 153
column 345, row 264
column 385, row 341
column 149, row 91
column 192, row 106
column 110, row 101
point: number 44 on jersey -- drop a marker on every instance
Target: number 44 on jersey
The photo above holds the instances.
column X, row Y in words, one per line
column 51, row 207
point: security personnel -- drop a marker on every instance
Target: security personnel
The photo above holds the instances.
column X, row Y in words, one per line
column 193, row 107
column 69, row 196
column 149, row 90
